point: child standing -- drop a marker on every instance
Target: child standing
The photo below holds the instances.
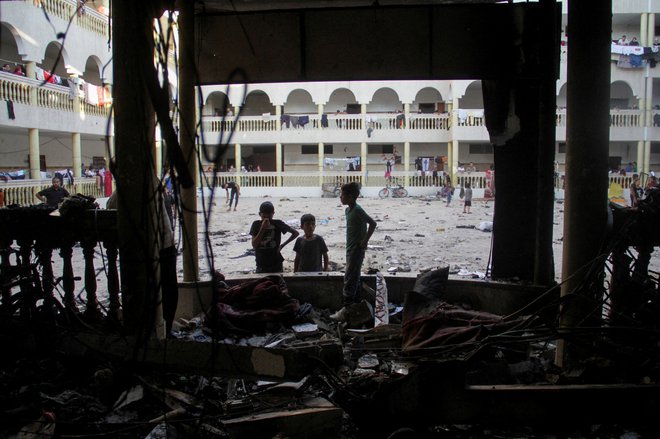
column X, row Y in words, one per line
column 468, row 198
column 450, row 189
column 266, row 237
column 359, row 228
column 311, row 251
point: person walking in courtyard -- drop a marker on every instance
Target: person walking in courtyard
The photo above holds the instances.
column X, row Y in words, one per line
column 232, row 189
column 449, row 187
column 468, row 198
column 359, row 228
column 266, row 237
column 53, row 195
column 311, row 250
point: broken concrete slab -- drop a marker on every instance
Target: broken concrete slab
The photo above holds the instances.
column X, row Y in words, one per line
column 304, row 423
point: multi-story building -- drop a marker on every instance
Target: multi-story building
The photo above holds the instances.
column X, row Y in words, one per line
column 294, row 128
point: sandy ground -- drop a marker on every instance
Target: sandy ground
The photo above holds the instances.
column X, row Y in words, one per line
column 412, row 235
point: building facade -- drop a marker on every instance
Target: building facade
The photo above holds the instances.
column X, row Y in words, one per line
column 58, row 115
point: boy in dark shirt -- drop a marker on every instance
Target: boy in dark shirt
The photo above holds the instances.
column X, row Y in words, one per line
column 311, row 250
column 266, row 237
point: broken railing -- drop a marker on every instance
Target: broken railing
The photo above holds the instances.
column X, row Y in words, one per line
column 29, row 237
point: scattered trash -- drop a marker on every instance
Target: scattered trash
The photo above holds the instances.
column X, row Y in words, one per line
column 368, row 361
column 485, row 226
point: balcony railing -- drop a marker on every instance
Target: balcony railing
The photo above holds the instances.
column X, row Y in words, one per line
column 23, row 192
column 88, row 19
column 18, row 89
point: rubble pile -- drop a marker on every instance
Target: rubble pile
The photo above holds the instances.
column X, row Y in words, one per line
column 428, row 368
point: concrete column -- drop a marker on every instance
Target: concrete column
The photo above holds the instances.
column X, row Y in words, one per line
column 363, row 162
column 647, row 157
column 406, row 113
column 237, row 157
column 648, row 104
column 278, row 114
column 137, row 216
column 640, row 156
column 31, row 72
column 321, row 160
column 187, row 136
column 643, row 29
column 33, row 143
column 158, row 157
column 453, row 167
column 651, row 29
column 76, row 152
column 363, row 111
column 587, row 150
column 454, row 112
column 278, row 163
column 406, row 162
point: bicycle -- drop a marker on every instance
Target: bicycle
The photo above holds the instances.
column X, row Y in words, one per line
column 393, row 188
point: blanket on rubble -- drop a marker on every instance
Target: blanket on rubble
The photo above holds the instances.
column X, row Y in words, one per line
column 252, row 306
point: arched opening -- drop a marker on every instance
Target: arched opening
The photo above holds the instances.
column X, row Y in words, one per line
column 385, row 100
column 428, row 100
column 339, row 100
column 55, row 60
column 92, row 72
column 217, row 104
column 299, row 101
column 257, row 103
column 622, row 97
column 473, row 98
column 8, row 48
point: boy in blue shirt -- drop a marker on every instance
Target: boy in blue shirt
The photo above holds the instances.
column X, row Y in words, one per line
column 311, row 250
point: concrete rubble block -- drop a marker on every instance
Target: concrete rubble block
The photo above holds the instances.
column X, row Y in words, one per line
column 304, row 423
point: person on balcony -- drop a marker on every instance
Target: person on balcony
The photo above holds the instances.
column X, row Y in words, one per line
column 634, row 42
column 18, row 70
column 622, row 41
column 53, row 195
column 6, row 68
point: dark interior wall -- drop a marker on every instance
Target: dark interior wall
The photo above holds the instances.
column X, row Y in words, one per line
column 377, row 43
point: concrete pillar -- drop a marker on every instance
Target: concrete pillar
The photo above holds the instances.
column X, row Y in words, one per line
column 587, row 150
column 76, row 152
column 237, row 157
column 321, row 161
column 31, row 72
column 34, row 159
column 363, row 162
column 643, row 29
column 453, row 166
column 278, row 163
column 406, row 114
column 647, row 157
column 651, row 29
column 544, row 271
column 187, row 136
column 454, row 111
column 137, row 216
column 278, row 114
column 363, row 111
column 640, row 155
column 406, row 162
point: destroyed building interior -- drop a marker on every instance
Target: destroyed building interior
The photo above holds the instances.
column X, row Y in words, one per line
column 518, row 355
